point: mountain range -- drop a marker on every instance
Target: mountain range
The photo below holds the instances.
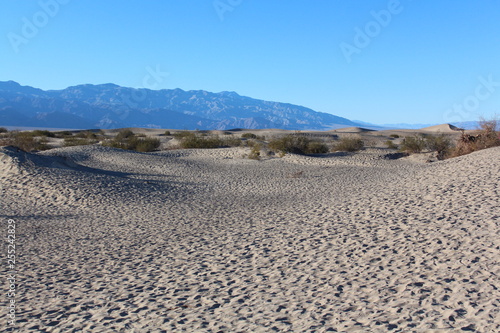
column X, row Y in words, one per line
column 112, row 106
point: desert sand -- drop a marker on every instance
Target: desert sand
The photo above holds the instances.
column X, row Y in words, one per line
column 206, row 241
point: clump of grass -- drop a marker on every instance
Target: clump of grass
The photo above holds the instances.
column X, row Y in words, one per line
column 297, row 144
column 182, row 134
column 126, row 139
column 349, row 144
column 413, row 144
column 25, row 141
column 440, row 144
column 193, row 141
column 488, row 136
column 255, row 152
column 391, row 145
column 249, row 136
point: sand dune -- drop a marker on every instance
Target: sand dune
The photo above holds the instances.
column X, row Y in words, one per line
column 205, row 241
column 443, row 128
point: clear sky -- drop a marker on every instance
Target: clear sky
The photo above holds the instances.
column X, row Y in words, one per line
column 377, row 61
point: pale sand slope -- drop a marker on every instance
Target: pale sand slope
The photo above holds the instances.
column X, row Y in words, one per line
column 204, row 241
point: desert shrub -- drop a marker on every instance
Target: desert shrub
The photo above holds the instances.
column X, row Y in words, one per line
column 255, row 152
column 440, row 144
column 3, row 130
column 316, row 147
column 167, row 133
column 183, row 134
column 63, row 134
column 249, row 136
column 488, row 136
column 395, row 136
column 193, row 141
column 297, row 144
column 25, row 141
column 413, row 144
column 133, row 142
column 86, row 135
column 349, row 144
column 124, row 134
column 231, row 141
column 391, row 145
column 146, row 144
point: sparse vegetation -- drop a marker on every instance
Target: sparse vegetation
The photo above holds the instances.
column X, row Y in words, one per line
column 349, row 144
column 249, row 136
column 182, row 134
column 193, row 141
column 413, row 144
column 255, row 152
column 440, row 144
column 126, row 139
column 395, row 136
column 488, row 136
column 391, row 145
column 297, row 144
column 26, row 141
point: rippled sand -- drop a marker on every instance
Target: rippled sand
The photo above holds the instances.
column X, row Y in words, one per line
column 206, row 241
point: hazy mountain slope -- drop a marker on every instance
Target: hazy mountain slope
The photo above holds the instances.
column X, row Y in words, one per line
column 109, row 105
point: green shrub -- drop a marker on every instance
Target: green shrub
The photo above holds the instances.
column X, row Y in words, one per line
column 391, row 145
column 395, row 136
column 124, row 134
column 123, row 140
column 3, row 130
column 63, row 134
column 43, row 133
column 231, row 141
column 249, row 136
column 255, row 152
column 192, row 141
column 25, row 141
column 167, row 133
column 297, row 144
column 440, row 144
column 349, row 144
column 316, row 147
column 413, row 144
column 183, row 134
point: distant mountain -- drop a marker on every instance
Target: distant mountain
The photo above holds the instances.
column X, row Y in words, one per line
column 113, row 106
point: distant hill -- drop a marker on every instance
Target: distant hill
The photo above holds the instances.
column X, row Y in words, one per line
column 113, row 106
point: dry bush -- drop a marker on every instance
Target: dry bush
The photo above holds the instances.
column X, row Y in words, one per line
column 255, row 152
column 391, row 145
column 488, row 136
column 126, row 139
column 297, row 144
column 249, row 136
column 25, row 141
column 413, row 144
column 349, row 144
column 439, row 143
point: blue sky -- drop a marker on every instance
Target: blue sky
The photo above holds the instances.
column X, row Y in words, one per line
column 377, row 61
